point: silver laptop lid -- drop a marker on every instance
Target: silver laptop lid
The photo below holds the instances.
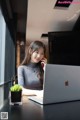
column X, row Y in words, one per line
column 61, row 83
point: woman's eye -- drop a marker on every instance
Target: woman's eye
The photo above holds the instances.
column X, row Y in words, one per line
column 42, row 54
column 36, row 51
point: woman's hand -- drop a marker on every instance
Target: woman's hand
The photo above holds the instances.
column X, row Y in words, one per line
column 44, row 60
column 43, row 63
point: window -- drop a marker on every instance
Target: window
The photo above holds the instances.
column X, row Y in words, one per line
column 2, row 46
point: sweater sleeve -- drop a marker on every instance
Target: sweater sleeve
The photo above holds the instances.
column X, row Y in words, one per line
column 20, row 76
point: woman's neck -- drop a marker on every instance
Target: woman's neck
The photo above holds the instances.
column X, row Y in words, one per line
column 31, row 64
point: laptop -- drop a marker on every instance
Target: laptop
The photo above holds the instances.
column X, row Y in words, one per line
column 61, row 84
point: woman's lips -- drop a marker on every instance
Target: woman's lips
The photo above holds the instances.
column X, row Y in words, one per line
column 37, row 59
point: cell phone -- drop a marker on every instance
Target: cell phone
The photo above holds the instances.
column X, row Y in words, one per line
column 43, row 59
column 42, row 63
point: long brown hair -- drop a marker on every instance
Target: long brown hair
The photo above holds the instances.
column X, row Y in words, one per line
column 32, row 48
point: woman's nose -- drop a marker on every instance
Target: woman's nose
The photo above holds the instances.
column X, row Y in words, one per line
column 38, row 55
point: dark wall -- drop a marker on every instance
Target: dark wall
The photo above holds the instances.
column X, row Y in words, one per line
column 9, row 62
column 9, row 47
column 10, row 21
column 64, row 48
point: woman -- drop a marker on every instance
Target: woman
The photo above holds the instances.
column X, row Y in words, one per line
column 30, row 72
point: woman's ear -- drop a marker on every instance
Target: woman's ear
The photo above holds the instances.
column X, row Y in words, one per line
column 30, row 51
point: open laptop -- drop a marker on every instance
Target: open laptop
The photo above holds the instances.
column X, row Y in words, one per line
column 61, row 84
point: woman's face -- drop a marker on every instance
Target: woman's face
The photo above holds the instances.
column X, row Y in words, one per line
column 37, row 55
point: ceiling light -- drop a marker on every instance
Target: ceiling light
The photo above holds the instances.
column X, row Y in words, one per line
column 44, row 35
column 22, row 43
